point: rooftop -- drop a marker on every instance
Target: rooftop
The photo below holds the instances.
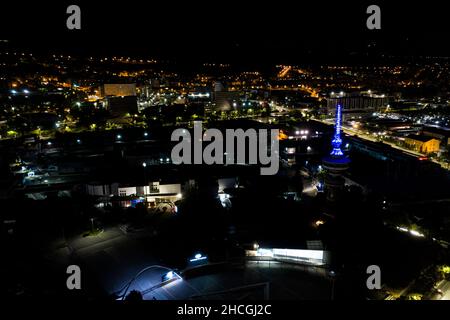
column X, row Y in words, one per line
column 438, row 130
column 420, row 137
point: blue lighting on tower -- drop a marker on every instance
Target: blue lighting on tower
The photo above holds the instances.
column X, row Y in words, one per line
column 337, row 141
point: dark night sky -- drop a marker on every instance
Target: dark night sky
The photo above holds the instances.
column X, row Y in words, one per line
column 245, row 30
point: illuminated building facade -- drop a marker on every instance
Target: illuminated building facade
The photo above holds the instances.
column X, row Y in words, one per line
column 224, row 99
column 356, row 104
column 118, row 89
column 421, row 143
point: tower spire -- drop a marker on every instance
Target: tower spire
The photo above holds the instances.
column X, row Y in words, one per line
column 337, row 141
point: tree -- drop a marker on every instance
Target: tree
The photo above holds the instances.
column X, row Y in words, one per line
column 134, row 295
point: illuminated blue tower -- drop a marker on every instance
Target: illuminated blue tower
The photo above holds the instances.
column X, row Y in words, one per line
column 336, row 163
column 337, row 141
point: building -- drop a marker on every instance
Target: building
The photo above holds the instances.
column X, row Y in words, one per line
column 422, row 143
column 199, row 96
column 120, row 98
column 152, row 194
column 296, row 256
column 356, row 104
column 223, row 99
column 439, row 133
column 395, row 165
column 122, row 106
column 118, row 89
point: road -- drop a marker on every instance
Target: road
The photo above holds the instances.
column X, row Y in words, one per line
column 446, row 290
column 287, row 282
column 113, row 258
column 445, row 287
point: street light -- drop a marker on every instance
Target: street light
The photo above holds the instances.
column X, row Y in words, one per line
column 332, row 274
column 144, row 165
column 170, row 275
column 199, row 258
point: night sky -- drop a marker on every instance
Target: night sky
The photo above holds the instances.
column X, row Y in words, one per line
column 229, row 31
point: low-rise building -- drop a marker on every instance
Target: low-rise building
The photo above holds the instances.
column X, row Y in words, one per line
column 152, row 194
column 421, row 143
column 438, row 133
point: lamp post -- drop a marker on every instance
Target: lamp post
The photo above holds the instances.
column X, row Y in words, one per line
column 332, row 274
column 144, row 165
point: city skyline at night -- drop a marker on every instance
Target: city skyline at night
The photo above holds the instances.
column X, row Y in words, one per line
column 231, row 152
